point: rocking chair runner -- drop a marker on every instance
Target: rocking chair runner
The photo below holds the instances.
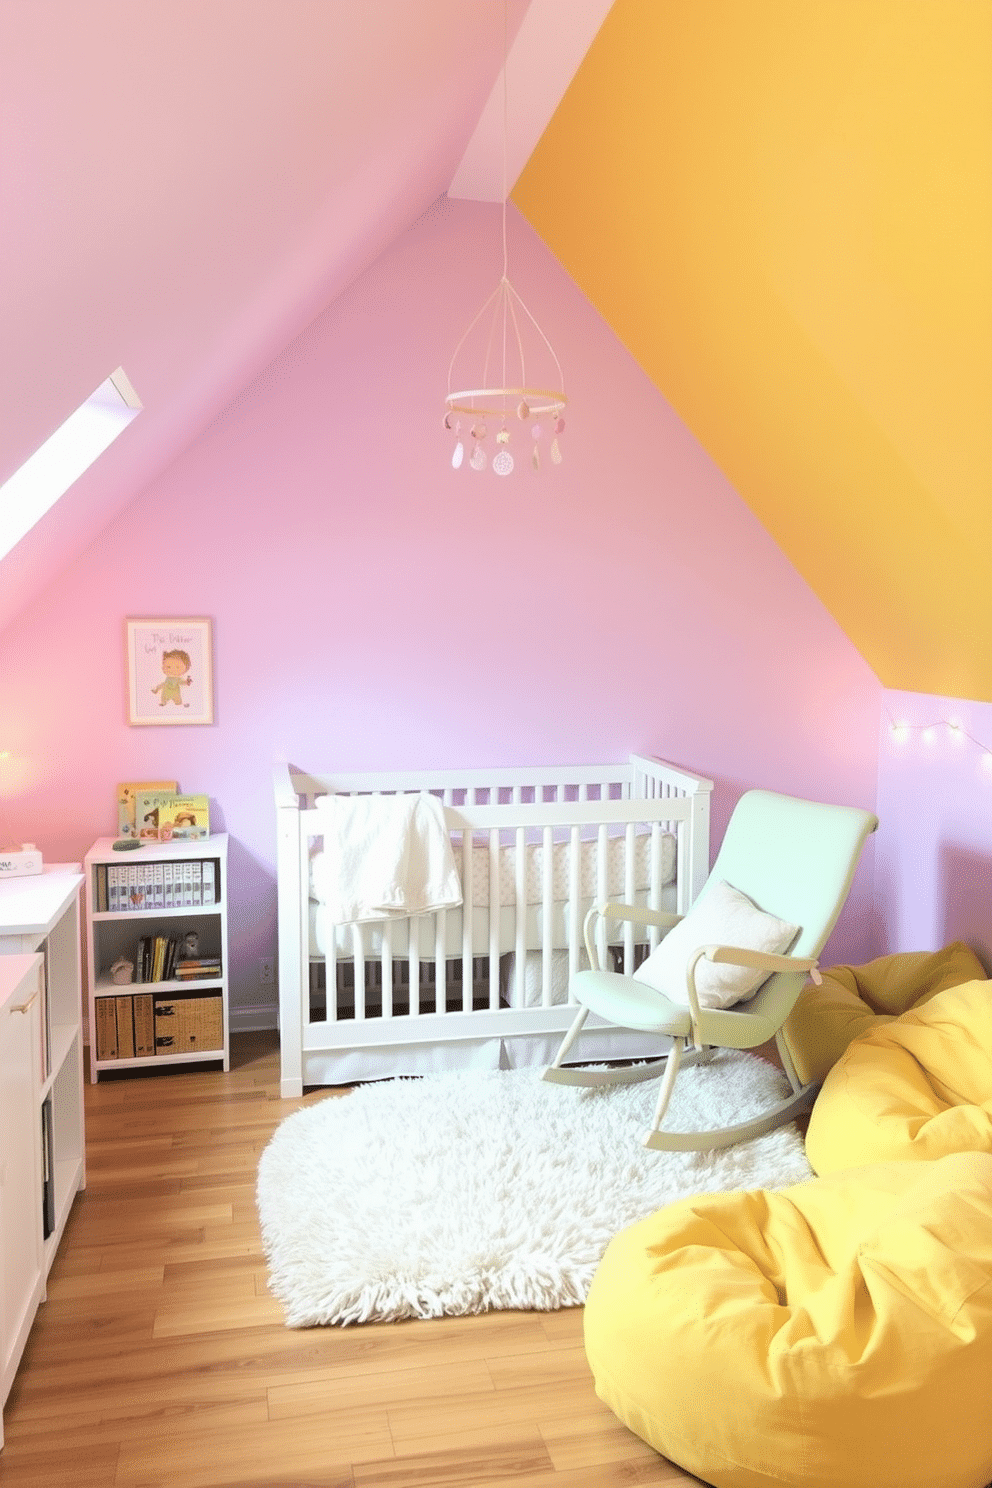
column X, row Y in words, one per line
column 780, row 857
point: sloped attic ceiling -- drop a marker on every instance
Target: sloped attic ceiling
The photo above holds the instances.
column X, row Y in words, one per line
column 784, row 210
column 185, row 185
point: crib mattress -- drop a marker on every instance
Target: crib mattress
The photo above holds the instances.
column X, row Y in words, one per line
column 501, row 930
column 422, row 931
column 561, row 868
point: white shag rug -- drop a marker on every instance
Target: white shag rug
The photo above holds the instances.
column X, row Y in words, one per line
column 465, row 1193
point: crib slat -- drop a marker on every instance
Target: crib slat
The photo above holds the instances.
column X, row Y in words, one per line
column 331, row 981
column 359, row 961
column 630, row 895
column 654, row 898
column 494, row 917
column 330, row 960
column 413, row 965
column 440, row 964
column 547, row 907
column 602, row 891
column 682, row 867
column 574, row 903
column 520, row 877
column 468, row 905
column 387, row 970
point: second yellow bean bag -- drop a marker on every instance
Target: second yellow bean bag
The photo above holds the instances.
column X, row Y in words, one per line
column 855, row 999
column 918, row 1087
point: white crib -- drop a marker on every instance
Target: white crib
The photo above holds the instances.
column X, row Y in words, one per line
column 484, row 985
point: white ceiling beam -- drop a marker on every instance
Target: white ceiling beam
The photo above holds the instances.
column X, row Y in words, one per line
column 547, row 51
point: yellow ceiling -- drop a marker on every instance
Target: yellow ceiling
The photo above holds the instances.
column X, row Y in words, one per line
column 783, row 208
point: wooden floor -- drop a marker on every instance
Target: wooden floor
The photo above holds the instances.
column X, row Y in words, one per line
column 159, row 1357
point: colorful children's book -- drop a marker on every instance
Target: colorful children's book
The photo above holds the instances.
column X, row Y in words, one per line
column 148, row 805
column 185, row 819
column 127, row 796
column 164, row 817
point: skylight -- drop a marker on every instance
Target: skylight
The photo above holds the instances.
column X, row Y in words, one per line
column 33, row 489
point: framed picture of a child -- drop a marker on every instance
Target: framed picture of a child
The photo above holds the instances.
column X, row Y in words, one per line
column 169, row 667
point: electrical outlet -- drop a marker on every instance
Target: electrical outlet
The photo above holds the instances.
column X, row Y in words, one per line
column 266, row 971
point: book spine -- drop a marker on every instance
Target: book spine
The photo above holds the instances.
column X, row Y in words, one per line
column 169, row 885
column 144, row 1025
column 209, row 892
column 158, row 894
column 125, row 1027
column 106, row 1028
column 196, row 868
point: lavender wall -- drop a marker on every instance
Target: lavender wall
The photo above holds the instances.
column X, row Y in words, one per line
column 934, row 857
column 374, row 608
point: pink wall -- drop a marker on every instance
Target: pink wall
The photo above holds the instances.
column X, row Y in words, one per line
column 934, row 857
column 374, row 608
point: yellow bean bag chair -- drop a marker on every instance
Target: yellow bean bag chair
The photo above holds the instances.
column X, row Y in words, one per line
column 916, row 1088
column 855, row 999
column 833, row 1335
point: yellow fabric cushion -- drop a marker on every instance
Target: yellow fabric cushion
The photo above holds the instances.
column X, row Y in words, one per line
column 855, row 999
column 917, row 1087
column 835, row 1333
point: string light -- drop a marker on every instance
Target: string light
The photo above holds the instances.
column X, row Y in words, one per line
column 900, row 730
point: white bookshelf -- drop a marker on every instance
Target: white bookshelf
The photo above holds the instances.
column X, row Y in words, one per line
column 151, row 884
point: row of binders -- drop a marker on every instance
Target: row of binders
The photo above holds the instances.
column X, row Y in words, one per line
column 136, row 1025
column 125, row 1027
column 127, row 887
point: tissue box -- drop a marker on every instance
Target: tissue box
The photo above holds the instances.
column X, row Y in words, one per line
column 17, row 861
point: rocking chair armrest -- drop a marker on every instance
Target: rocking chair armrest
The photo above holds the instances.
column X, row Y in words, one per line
column 740, row 956
column 760, row 960
column 635, row 913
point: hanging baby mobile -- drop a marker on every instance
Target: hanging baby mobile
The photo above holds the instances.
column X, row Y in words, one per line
column 509, row 423
column 501, row 419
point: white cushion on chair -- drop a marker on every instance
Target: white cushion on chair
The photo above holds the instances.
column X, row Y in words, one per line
column 724, row 917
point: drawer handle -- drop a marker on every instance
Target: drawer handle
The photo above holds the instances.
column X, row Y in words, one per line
column 22, row 1007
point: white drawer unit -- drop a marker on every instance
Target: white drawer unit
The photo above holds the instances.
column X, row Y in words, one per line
column 22, row 1193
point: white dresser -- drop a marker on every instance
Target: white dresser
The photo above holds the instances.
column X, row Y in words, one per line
column 42, row 1163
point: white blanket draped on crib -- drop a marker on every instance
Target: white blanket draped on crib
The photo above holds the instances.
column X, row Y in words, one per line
column 385, row 856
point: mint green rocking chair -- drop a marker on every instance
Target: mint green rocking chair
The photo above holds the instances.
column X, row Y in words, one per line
column 734, row 966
